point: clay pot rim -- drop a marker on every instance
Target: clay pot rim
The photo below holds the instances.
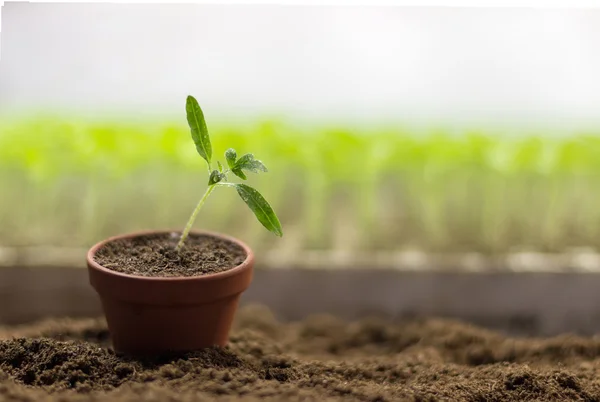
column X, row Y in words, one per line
column 206, row 277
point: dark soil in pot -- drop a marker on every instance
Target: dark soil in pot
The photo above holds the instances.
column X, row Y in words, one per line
column 155, row 255
column 320, row 359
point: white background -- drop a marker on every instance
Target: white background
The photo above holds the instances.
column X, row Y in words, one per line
column 353, row 64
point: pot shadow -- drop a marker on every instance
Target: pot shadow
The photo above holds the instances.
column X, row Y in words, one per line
column 212, row 357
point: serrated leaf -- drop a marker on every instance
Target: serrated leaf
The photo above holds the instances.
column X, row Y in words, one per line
column 215, row 177
column 195, row 119
column 261, row 208
column 247, row 162
column 231, row 156
column 238, row 172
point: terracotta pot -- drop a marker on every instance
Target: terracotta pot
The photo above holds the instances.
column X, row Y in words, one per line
column 151, row 315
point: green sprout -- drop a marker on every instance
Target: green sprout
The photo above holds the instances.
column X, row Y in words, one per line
column 218, row 177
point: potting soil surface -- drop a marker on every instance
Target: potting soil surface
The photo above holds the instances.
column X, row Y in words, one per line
column 155, row 255
column 321, row 358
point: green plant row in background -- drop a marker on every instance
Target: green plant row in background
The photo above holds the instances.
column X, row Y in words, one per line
column 73, row 183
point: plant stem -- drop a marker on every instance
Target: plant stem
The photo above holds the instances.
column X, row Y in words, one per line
column 190, row 222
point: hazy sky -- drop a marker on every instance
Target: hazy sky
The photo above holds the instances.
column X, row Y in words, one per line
column 355, row 63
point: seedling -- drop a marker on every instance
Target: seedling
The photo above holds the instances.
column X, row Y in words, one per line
column 218, row 177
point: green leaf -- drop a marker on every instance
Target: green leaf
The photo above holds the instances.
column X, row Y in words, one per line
column 220, row 166
column 261, row 208
column 195, row 119
column 238, row 172
column 215, row 177
column 231, row 156
column 247, row 162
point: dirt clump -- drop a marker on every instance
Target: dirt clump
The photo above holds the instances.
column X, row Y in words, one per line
column 321, row 358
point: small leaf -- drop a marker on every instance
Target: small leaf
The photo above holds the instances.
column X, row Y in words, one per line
column 238, row 172
column 261, row 208
column 247, row 162
column 215, row 177
column 195, row 119
column 231, row 156
column 220, row 166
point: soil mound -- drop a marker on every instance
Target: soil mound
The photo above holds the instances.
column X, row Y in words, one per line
column 321, row 358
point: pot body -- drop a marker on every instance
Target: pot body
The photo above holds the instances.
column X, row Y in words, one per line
column 153, row 315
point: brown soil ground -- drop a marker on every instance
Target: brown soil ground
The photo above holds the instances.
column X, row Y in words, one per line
column 155, row 255
column 320, row 359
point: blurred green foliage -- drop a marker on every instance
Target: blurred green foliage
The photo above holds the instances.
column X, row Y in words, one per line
column 64, row 182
